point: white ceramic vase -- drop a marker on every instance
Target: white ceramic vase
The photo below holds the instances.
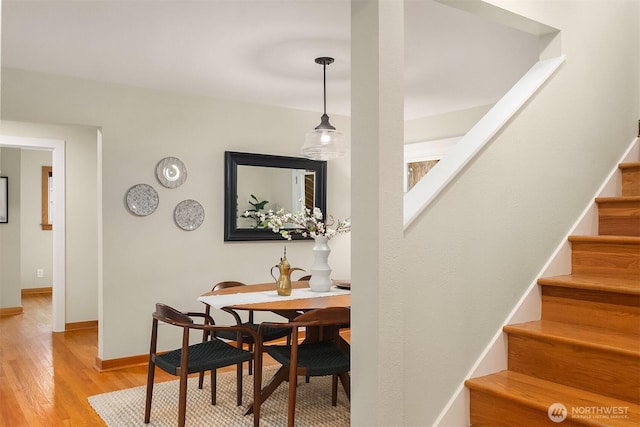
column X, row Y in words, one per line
column 320, row 271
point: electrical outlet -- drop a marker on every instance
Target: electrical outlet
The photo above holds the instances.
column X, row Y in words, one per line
column 40, row 272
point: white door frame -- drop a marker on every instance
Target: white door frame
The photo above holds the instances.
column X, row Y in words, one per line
column 57, row 148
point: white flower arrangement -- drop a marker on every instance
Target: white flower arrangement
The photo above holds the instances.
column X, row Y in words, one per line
column 306, row 223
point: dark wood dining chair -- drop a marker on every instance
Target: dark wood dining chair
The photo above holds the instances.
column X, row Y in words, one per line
column 270, row 334
column 323, row 352
column 205, row 356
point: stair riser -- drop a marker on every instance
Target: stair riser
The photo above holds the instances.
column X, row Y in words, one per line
column 612, row 226
column 592, row 369
column 631, row 182
column 605, row 258
column 494, row 411
column 617, row 312
column 619, row 218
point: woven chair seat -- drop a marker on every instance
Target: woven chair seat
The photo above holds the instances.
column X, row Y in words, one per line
column 203, row 357
column 269, row 334
column 318, row 359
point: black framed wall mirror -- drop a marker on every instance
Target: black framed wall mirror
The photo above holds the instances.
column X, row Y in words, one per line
column 289, row 183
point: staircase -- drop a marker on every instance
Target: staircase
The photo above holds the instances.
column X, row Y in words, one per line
column 580, row 364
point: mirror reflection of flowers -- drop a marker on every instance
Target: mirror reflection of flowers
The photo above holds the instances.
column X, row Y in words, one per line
column 305, row 222
column 254, row 213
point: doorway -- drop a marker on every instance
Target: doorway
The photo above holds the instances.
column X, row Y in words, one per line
column 57, row 148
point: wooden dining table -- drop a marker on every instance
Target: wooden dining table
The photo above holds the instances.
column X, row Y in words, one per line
column 302, row 299
column 288, row 307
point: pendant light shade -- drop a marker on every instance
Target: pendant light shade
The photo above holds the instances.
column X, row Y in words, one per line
column 324, row 142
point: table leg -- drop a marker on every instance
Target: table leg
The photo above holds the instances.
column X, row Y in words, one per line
column 276, row 380
column 346, row 383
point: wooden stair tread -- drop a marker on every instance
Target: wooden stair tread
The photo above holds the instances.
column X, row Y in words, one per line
column 617, row 199
column 629, row 165
column 581, row 335
column 540, row 394
column 622, row 284
column 605, row 239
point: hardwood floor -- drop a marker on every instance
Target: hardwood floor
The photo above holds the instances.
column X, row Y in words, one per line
column 46, row 378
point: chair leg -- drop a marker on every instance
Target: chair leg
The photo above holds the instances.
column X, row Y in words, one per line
column 257, row 391
column 291, row 413
column 239, row 384
column 205, row 337
column 214, row 386
column 182, row 400
column 334, row 390
column 200, row 380
column 345, row 379
column 147, row 407
column 250, row 363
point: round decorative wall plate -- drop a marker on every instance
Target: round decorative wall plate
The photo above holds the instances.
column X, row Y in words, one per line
column 171, row 172
column 189, row 215
column 142, row 199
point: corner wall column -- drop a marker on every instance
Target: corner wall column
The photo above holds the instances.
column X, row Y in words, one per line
column 377, row 136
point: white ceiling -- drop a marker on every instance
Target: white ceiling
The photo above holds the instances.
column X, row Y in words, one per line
column 262, row 51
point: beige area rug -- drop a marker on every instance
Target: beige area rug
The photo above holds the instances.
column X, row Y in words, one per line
column 313, row 408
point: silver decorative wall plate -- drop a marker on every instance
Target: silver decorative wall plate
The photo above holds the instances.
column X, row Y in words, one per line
column 142, row 199
column 189, row 215
column 171, row 172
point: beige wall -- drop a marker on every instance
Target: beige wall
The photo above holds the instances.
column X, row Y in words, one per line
column 37, row 244
column 10, row 233
column 442, row 126
column 472, row 254
column 149, row 259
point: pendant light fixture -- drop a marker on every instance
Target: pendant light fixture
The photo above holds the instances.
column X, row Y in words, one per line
column 324, row 142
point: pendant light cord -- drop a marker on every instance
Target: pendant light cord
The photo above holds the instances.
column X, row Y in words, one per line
column 324, row 120
column 324, row 85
